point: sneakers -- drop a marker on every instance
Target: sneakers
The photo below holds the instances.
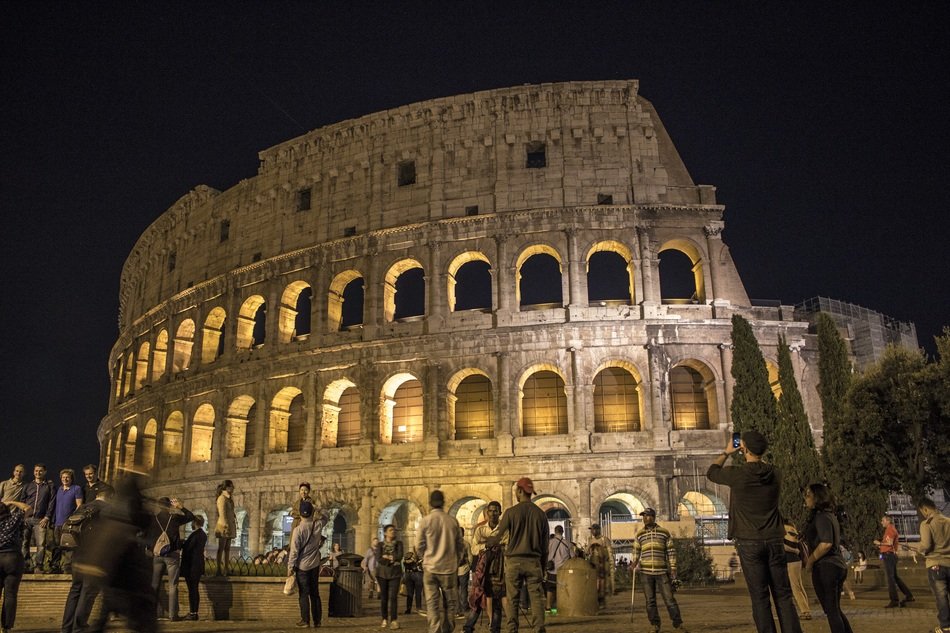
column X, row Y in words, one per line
column 303, row 624
column 394, row 625
column 384, row 625
column 191, row 616
column 892, row 604
column 421, row 612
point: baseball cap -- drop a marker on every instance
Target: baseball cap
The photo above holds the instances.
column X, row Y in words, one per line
column 649, row 511
column 306, row 509
column 525, row 484
column 755, row 442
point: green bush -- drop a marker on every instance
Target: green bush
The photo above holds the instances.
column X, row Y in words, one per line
column 693, row 564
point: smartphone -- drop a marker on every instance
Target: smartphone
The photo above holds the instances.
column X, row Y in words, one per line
column 736, row 438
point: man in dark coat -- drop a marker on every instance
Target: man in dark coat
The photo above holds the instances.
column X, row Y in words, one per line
column 193, row 564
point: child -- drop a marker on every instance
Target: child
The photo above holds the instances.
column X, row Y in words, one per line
column 859, row 567
column 193, row 564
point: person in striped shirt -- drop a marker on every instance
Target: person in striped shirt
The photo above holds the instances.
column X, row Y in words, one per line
column 655, row 557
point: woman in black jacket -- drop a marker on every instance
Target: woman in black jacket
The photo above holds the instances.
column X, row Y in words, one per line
column 828, row 569
column 388, row 574
column 193, row 564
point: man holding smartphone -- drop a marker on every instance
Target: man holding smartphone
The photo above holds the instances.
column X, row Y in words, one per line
column 756, row 525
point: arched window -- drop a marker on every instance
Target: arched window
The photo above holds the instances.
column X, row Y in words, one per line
column 689, row 392
column 212, row 336
column 172, row 439
column 141, row 366
column 681, row 273
column 239, row 440
column 145, row 455
column 131, row 435
column 117, row 377
column 288, row 422
column 345, row 301
column 471, row 402
column 773, row 379
column 160, row 355
column 184, row 341
column 609, row 274
column 202, row 433
column 341, row 414
column 616, row 401
column 251, row 325
column 404, row 292
column 543, row 404
column 469, row 282
column 539, row 277
column 402, row 410
column 129, row 369
column 294, row 317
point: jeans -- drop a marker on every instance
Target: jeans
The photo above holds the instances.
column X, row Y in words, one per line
column 798, row 587
column 441, row 618
column 828, row 579
column 62, row 559
column 893, row 580
column 308, row 585
column 172, row 563
column 939, row 577
column 765, row 571
column 82, row 594
column 652, row 582
column 36, row 535
column 521, row 571
column 463, row 593
column 413, row 581
column 11, row 572
column 494, row 624
column 389, row 597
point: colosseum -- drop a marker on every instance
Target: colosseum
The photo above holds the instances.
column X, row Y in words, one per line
column 451, row 294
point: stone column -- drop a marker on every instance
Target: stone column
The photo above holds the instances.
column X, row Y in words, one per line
column 650, row 282
column 659, row 422
column 725, row 361
column 503, row 277
column 311, row 438
column 576, row 295
column 503, row 406
column 435, row 290
column 373, row 285
column 586, row 517
column 713, row 232
column 260, row 424
column 433, row 429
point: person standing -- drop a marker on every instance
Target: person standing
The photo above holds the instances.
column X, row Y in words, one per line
column 559, row 552
column 493, row 591
column 601, row 556
column 439, row 545
column 860, row 566
column 93, row 485
column 828, row 569
column 368, row 565
column 887, row 546
column 193, row 564
column 85, row 586
column 225, row 527
column 11, row 557
column 303, row 494
column 304, row 563
column 40, row 495
column 756, row 526
column 412, row 573
column 525, row 556
column 654, row 553
column 12, row 489
column 169, row 516
column 464, row 572
column 793, row 560
column 388, row 574
column 68, row 499
column 935, row 545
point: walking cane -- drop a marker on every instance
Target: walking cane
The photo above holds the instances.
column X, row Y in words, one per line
column 633, row 591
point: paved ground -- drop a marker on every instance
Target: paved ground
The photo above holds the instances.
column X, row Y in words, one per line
column 715, row 610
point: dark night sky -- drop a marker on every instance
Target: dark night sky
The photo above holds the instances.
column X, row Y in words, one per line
column 823, row 127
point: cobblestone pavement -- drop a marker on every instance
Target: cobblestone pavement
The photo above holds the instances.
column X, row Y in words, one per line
column 714, row 610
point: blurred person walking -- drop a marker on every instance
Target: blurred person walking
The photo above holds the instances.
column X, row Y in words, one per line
column 888, row 546
column 12, row 525
column 439, row 545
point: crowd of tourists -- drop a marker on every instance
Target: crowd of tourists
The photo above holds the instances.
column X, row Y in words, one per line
column 119, row 544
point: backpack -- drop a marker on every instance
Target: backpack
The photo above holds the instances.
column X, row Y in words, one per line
column 76, row 524
column 162, row 543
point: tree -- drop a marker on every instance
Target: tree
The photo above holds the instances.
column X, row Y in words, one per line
column 753, row 406
column 793, row 446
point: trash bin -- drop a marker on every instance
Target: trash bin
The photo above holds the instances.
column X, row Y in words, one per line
column 346, row 590
column 576, row 588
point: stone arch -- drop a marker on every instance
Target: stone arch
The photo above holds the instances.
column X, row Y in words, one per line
column 147, row 446
column 172, row 435
column 212, row 335
column 695, row 254
column 466, row 511
column 558, row 510
column 293, row 315
column 709, row 512
column 287, row 421
column 184, row 341
column 401, row 409
column 202, row 433
column 605, row 261
column 116, row 443
column 239, row 432
column 341, row 289
column 405, row 515
column 141, row 365
column 130, row 434
column 693, row 395
column 160, row 355
column 341, row 528
column 618, row 398
column 469, row 275
column 774, row 383
column 470, row 405
column 542, row 401
column 251, row 322
column 129, row 373
column 621, row 506
column 415, row 306
column 277, row 527
column 541, row 290
column 341, row 414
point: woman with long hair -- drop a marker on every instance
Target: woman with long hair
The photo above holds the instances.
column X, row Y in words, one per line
column 11, row 557
column 828, row 569
column 388, row 574
column 225, row 528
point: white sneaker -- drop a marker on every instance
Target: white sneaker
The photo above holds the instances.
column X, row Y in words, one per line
column 394, row 625
column 384, row 625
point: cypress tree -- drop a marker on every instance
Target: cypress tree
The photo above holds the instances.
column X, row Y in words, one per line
column 753, row 406
column 793, row 446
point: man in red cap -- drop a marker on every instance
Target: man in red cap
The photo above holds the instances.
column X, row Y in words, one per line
column 525, row 556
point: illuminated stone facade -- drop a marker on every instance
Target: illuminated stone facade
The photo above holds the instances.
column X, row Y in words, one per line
column 451, row 294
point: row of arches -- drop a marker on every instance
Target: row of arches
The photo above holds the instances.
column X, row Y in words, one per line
column 538, row 275
column 345, row 410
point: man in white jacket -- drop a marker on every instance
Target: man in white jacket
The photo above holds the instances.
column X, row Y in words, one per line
column 440, row 546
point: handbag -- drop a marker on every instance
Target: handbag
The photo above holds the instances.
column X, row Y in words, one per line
column 290, row 585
